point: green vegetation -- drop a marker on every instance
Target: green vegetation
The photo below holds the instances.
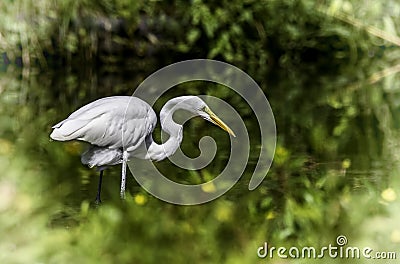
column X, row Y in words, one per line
column 329, row 69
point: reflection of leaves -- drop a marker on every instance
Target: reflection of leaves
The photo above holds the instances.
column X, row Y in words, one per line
column 335, row 99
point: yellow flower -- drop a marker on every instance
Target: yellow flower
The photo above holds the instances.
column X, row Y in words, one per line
column 140, row 199
column 346, row 164
column 270, row 215
column 395, row 236
column 389, row 195
column 6, row 146
column 281, row 155
column 208, row 187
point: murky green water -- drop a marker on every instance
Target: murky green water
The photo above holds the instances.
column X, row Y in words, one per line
column 335, row 171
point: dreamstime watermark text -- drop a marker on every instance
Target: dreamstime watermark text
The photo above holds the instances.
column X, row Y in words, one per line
column 209, row 72
column 339, row 250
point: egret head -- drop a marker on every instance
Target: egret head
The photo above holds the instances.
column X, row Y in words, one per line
column 198, row 107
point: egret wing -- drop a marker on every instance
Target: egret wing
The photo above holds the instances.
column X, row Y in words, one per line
column 113, row 122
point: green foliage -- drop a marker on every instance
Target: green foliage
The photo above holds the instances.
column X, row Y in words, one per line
column 328, row 68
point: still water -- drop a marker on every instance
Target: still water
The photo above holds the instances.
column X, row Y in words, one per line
column 335, row 169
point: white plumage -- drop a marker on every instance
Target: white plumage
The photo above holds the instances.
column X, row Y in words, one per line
column 120, row 127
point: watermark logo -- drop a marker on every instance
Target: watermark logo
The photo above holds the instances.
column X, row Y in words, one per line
column 157, row 84
column 338, row 250
column 341, row 240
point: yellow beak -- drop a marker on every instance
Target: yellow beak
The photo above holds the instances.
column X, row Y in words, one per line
column 215, row 119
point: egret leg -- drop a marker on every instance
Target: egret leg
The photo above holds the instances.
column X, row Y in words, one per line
column 98, row 199
column 123, row 176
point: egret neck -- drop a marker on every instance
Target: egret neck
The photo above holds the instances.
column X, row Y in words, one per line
column 159, row 152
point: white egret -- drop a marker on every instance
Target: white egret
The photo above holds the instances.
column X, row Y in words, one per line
column 120, row 127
